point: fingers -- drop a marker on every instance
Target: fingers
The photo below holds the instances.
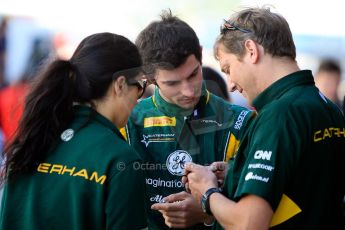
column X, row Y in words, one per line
column 176, row 197
column 189, row 167
column 168, row 207
column 186, row 185
column 184, row 179
column 215, row 166
column 220, row 169
column 219, row 166
column 175, row 222
column 182, row 214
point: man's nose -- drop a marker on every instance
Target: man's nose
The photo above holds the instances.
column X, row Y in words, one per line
column 231, row 84
column 188, row 90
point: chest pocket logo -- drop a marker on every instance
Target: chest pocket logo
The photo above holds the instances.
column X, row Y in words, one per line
column 67, row 135
column 176, row 162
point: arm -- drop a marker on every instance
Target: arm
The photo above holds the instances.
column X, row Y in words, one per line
column 250, row 212
column 181, row 210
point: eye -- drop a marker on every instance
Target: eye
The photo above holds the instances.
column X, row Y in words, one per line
column 193, row 75
column 227, row 70
column 171, row 83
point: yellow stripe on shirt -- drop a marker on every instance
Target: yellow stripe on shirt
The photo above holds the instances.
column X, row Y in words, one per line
column 232, row 147
column 287, row 208
column 124, row 133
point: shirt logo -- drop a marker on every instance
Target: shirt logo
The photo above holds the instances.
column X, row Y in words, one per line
column 157, row 199
column 58, row 169
column 211, row 121
column 176, row 162
column 147, row 139
column 240, row 119
column 331, row 132
column 159, row 121
column 164, row 183
column 252, row 176
column 67, row 135
column 264, row 155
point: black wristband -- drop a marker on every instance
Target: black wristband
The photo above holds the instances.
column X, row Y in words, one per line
column 205, row 200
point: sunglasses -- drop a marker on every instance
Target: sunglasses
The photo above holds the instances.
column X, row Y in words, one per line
column 228, row 26
column 141, row 85
column 133, row 73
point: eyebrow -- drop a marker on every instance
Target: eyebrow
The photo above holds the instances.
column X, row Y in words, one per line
column 193, row 73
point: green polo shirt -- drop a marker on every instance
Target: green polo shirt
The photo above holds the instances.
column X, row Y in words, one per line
column 88, row 182
column 167, row 136
column 293, row 156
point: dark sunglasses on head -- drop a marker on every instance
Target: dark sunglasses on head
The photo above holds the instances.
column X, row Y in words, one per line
column 228, row 26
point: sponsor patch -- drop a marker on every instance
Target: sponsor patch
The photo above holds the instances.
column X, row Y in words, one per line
column 252, row 176
column 164, row 183
column 211, row 122
column 159, row 121
column 176, row 162
column 157, row 199
column 67, row 135
column 327, row 133
column 263, row 155
column 58, row 169
column 261, row 166
column 240, row 119
column 147, row 139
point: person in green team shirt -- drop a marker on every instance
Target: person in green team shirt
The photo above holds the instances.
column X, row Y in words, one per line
column 181, row 122
column 68, row 166
column 288, row 172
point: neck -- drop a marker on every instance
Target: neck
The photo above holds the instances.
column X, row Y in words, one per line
column 275, row 69
column 104, row 108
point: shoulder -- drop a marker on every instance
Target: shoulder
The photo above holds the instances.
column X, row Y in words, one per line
column 227, row 109
column 232, row 116
column 146, row 103
column 106, row 143
column 297, row 103
column 144, row 107
column 119, row 148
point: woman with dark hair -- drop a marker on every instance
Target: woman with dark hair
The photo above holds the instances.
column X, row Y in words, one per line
column 68, row 166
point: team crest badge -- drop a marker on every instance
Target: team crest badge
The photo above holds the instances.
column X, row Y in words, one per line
column 176, row 162
column 67, row 134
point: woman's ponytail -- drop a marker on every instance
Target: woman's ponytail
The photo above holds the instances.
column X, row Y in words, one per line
column 47, row 111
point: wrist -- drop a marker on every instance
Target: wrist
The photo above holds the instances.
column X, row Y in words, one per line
column 205, row 200
column 208, row 220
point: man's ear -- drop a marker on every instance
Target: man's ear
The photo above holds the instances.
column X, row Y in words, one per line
column 119, row 85
column 253, row 50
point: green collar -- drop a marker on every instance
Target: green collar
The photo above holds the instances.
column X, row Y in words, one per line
column 87, row 114
column 174, row 110
column 280, row 87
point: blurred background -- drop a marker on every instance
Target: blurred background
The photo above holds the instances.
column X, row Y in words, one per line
column 31, row 31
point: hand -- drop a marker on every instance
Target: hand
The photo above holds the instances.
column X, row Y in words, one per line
column 181, row 210
column 220, row 169
column 198, row 179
